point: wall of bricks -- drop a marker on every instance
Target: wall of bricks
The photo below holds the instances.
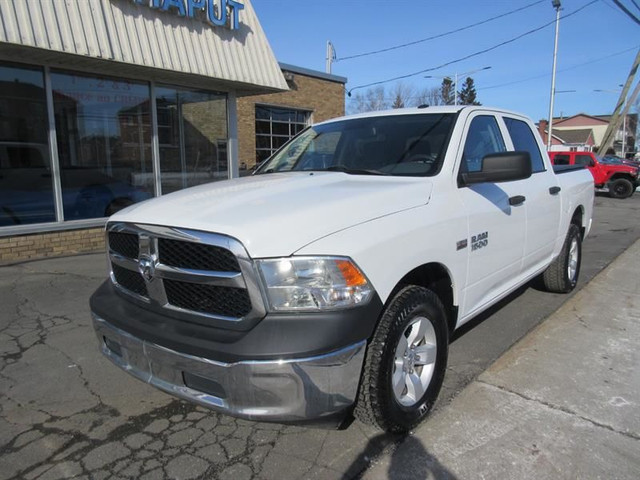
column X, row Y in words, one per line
column 324, row 98
column 53, row 244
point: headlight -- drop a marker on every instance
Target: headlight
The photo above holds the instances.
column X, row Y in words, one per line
column 313, row 283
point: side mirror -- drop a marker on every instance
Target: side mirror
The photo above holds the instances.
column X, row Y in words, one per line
column 592, row 163
column 500, row 167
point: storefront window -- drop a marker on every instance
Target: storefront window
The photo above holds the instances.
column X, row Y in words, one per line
column 26, row 184
column 103, row 130
column 275, row 126
column 192, row 132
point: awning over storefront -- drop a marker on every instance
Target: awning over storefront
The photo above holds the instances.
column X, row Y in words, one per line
column 172, row 37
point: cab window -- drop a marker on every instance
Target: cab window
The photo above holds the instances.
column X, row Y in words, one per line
column 483, row 138
column 524, row 141
column 561, row 159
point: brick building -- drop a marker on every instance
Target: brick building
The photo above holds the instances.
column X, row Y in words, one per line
column 93, row 123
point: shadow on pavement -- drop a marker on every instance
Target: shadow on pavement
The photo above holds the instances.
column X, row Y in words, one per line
column 410, row 460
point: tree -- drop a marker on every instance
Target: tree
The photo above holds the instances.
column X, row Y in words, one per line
column 446, row 91
column 429, row 96
column 403, row 95
column 372, row 99
column 467, row 95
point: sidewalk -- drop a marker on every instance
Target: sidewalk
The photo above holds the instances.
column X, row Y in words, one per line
column 563, row 403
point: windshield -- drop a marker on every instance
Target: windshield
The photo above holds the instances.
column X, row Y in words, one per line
column 403, row 145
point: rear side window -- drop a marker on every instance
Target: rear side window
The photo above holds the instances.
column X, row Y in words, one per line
column 484, row 138
column 524, row 141
column 561, row 160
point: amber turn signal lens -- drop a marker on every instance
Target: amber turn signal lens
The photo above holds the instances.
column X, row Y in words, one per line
column 352, row 276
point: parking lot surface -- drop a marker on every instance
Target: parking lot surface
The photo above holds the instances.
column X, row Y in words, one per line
column 66, row 412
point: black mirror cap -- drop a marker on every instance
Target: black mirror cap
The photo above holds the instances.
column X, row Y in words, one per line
column 501, row 167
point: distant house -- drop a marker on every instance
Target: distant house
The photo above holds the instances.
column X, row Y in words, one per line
column 584, row 132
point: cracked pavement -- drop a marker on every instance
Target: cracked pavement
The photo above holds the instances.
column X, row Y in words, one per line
column 67, row 412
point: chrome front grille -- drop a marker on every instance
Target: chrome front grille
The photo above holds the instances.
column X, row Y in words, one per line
column 230, row 302
column 186, row 273
column 125, row 244
column 196, row 256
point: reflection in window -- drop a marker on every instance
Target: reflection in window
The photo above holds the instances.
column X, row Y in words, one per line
column 26, row 185
column 484, row 138
column 274, row 128
column 103, row 129
column 524, row 141
column 192, row 132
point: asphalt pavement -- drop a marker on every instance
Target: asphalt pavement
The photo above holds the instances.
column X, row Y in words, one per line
column 66, row 412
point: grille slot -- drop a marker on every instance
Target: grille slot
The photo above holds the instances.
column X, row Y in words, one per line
column 125, row 244
column 130, row 280
column 197, row 256
column 210, row 299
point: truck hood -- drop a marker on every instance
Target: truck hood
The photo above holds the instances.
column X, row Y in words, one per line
column 279, row 213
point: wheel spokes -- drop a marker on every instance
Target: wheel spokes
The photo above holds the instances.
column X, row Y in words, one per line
column 415, row 389
column 425, row 354
column 399, row 382
column 418, row 330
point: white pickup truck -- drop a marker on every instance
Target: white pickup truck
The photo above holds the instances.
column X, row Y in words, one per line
column 329, row 282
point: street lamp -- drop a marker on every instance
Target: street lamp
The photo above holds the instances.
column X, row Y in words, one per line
column 556, row 4
column 455, row 85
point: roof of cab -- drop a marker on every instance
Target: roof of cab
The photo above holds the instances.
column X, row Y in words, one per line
column 422, row 110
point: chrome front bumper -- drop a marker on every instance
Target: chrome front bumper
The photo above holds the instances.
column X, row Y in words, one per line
column 303, row 390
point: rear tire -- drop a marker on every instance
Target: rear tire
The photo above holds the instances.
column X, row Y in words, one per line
column 562, row 275
column 405, row 362
column 621, row 188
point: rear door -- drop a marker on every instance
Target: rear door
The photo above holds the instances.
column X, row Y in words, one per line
column 542, row 192
column 496, row 239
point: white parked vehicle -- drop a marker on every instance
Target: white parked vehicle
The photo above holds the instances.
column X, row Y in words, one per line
column 329, row 282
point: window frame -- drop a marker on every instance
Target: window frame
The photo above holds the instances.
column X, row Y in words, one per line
column 270, row 136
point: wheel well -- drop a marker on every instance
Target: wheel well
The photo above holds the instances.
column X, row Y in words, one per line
column 577, row 217
column 616, row 176
column 436, row 278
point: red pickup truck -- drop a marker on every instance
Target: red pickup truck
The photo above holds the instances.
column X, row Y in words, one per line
column 621, row 180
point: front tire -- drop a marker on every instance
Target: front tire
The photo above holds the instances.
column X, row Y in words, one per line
column 405, row 362
column 621, row 188
column 562, row 275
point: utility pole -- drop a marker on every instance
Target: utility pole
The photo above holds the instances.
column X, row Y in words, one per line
column 614, row 123
column 556, row 4
column 331, row 56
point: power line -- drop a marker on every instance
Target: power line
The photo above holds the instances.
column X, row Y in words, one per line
column 544, row 75
column 506, row 42
column 440, row 35
column 628, row 12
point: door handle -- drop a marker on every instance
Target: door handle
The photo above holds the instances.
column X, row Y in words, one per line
column 554, row 190
column 517, row 200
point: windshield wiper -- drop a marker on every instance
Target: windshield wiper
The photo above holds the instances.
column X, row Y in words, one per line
column 353, row 171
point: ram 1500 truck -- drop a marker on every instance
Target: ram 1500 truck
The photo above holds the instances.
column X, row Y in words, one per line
column 329, row 283
column 621, row 180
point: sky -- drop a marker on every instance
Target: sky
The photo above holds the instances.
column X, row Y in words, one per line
column 596, row 47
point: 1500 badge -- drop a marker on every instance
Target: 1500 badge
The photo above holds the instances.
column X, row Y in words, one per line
column 479, row 241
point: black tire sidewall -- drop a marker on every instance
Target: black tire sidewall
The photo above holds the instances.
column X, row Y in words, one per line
column 628, row 191
column 418, row 304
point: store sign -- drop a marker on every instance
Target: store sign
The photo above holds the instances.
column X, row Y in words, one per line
column 216, row 12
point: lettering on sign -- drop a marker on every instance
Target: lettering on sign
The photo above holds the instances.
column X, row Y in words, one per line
column 215, row 12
